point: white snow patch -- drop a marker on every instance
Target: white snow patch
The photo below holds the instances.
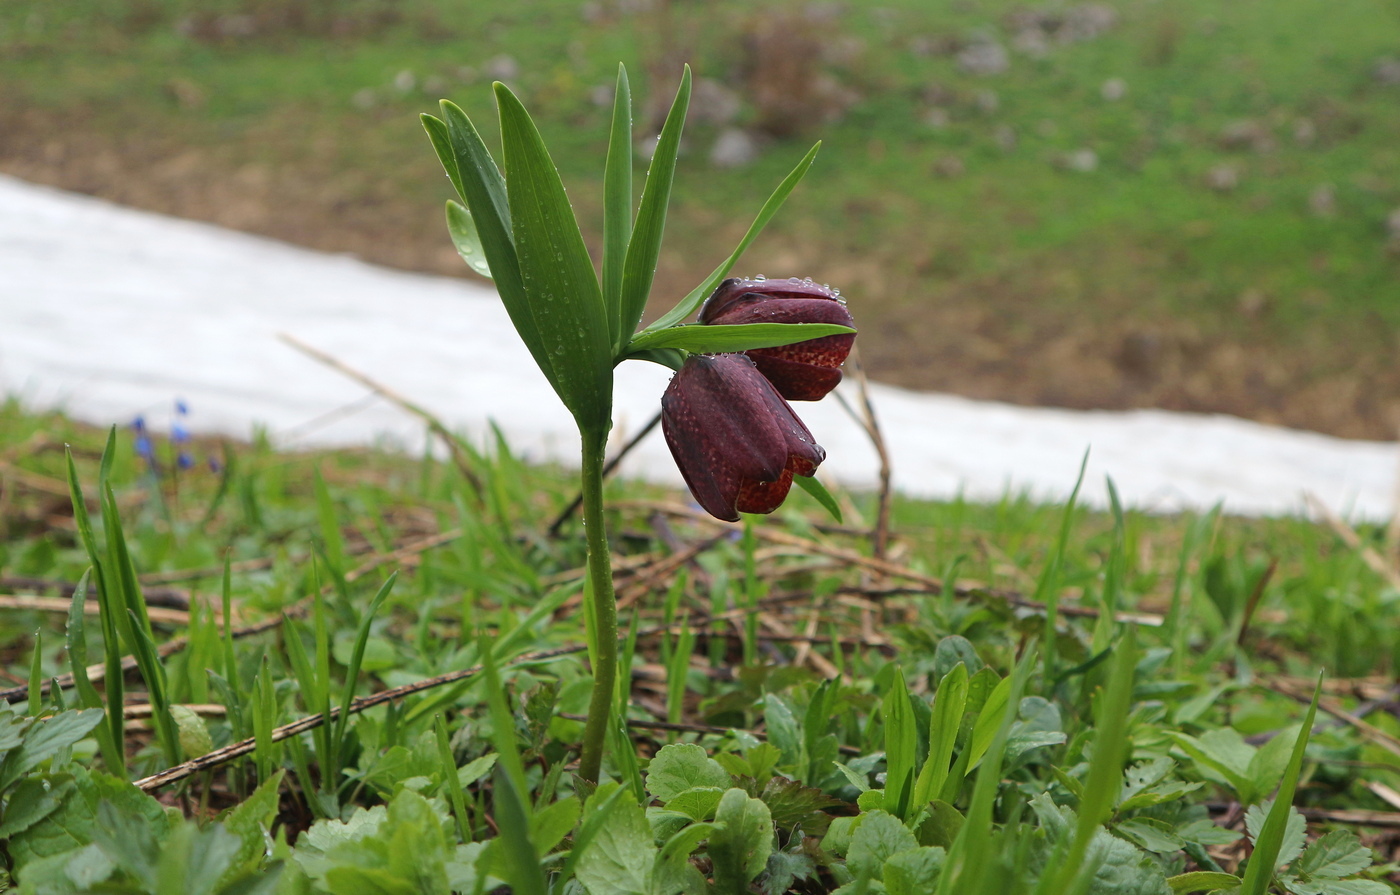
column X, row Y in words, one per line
column 107, row 312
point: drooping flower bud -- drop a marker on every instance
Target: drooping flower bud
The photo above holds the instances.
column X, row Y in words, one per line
column 805, row 371
column 736, row 442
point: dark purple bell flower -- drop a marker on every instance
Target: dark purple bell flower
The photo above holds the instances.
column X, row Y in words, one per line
column 806, row 371
column 735, row 440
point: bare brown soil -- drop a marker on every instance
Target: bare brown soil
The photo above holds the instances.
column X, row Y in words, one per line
column 988, row 340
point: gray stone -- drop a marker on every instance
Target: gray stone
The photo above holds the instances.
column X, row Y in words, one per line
column 734, row 148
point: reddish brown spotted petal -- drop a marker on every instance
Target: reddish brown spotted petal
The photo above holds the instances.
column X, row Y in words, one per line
column 717, row 416
column 797, row 381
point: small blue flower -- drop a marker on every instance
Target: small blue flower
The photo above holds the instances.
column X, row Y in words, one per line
column 178, row 433
column 185, row 461
column 144, row 448
column 181, row 407
column 139, row 424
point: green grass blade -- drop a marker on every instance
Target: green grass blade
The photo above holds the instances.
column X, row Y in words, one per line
column 677, row 672
column 972, row 852
column 158, row 690
column 1111, row 745
column 517, row 857
column 818, row 492
column 1260, row 871
column 502, row 723
column 617, row 208
column 357, row 657
column 949, row 702
column 462, row 229
column 129, row 610
column 901, row 741
column 733, row 337
column 329, row 521
column 111, row 638
column 645, row 246
column 455, row 795
column 557, row 274
column 36, row 676
column 692, row 302
column 1047, row 587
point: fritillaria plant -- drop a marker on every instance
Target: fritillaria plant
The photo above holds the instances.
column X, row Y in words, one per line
column 736, row 440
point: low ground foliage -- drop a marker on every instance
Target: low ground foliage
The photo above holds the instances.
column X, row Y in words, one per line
column 801, row 715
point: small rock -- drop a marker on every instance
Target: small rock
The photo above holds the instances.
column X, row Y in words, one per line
column 602, row 95
column 949, row 167
column 733, row 148
column 1082, row 160
column 984, row 58
column 1246, row 134
column 1114, row 89
column 1032, row 42
column 1253, row 302
column 645, row 147
column 1387, row 71
column 405, row 81
column 712, row 103
column 1392, row 223
column 1087, row 21
column 988, row 101
column 466, row 74
column 365, row 99
column 592, row 11
column 936, row 118
column 434, row 85
column 1323, row 201
column 187, row 94
column 1140, row 354
column 501, row 68
column 1005, row 137
column 1223, row 178
column 1304, row 132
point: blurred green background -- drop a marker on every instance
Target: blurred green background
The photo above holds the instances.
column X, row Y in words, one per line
column 1175, row 203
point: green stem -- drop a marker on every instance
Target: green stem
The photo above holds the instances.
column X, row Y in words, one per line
column 604, row 606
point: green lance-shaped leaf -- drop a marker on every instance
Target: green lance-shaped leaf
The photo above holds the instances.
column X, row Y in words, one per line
column 692, row 302
column 818, row 491
column 1260, row 871
column 617, row 207
column 722, row 338
column 462, row 229
column 555, row 270
column 473, row 172
column 948, row 705
column 901, row 742
column 645, row 246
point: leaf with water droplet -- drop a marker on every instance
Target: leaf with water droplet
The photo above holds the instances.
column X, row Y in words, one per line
column 464, row 236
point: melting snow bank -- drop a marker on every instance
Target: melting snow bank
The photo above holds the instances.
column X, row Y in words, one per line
column 107, row 313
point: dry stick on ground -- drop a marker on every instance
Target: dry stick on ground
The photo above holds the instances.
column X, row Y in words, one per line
column 1349, row 537
column 1368, row 730
column 454, row 446
column 880, row 537
column 244, row 747
column 59, row 606
column 884, row 567
column 175, row 645
column 608, row 469
column 698, row 728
